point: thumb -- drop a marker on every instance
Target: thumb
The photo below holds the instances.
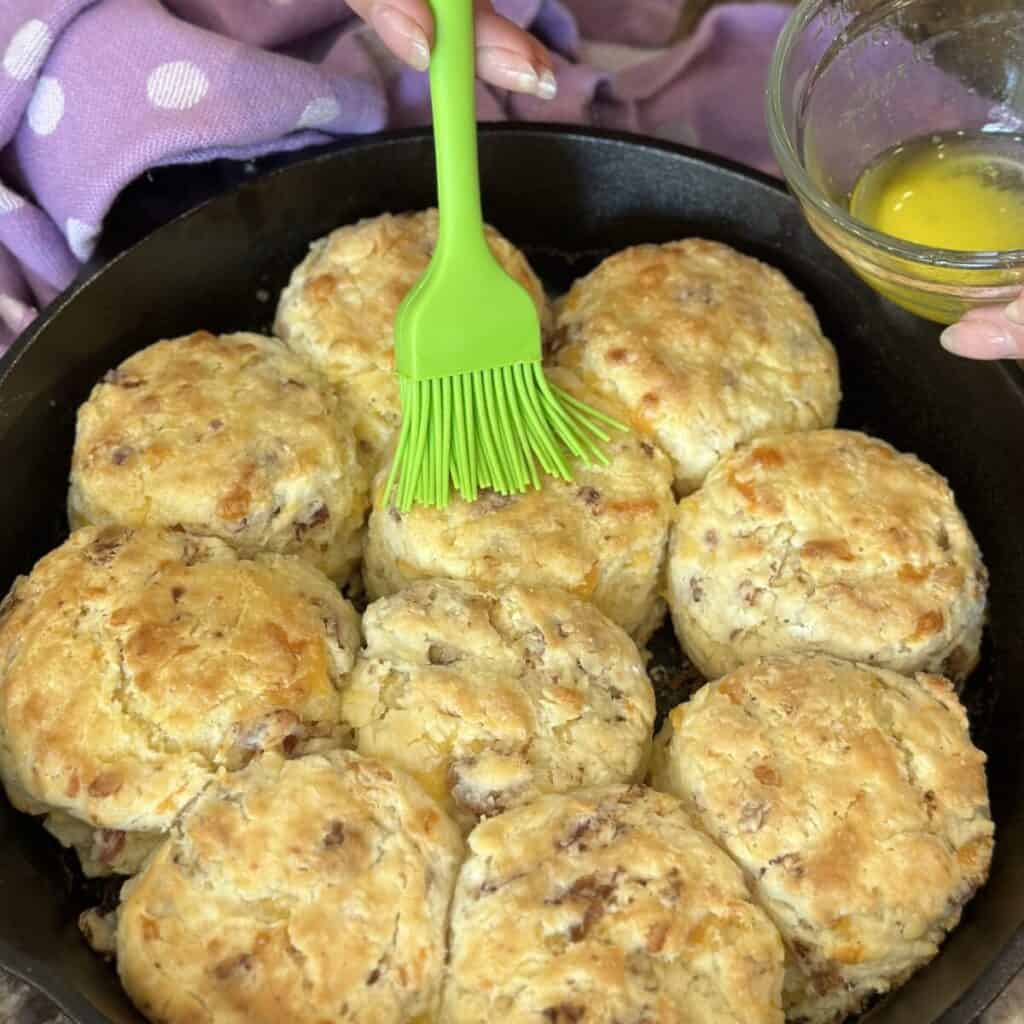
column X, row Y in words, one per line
column 988, row 333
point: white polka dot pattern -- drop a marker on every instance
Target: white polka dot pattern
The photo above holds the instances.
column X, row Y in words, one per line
column 27, row 50
column 177, row 85
column 46, row 108
column 81, row 237
column 322, row 110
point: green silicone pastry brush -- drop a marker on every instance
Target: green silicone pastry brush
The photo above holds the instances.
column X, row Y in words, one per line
column 477, row 409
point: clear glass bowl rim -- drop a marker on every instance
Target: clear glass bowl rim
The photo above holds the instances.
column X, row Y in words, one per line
column 792, row 167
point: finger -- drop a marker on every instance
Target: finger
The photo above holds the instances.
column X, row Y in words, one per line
column 1015, row 311
column 985, row 334
column 405, row 27
column 507, row 56
column 510, row 58
column 493, row 30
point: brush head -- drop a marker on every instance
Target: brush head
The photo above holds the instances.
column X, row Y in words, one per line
column 464, row 314
column 489, row 428
column 477, row 410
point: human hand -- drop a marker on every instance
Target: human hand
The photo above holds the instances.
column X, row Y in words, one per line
column 506, row 56
column 990, row 333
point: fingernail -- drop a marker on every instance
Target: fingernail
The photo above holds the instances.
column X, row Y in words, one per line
column 402, row 34
column 979, row 341
column 547, row 85
column 1015, row 311
column 951, row 339
column 508, row 70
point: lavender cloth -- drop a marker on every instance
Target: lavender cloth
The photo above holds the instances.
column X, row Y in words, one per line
column 94, row 92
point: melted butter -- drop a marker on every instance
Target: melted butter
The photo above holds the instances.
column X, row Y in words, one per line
column 956, row 191
column 435, row 782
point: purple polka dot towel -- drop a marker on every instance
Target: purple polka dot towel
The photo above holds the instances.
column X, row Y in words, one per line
column 94, row 92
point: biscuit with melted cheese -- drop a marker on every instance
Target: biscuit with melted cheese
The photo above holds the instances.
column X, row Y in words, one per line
column 339, row 310
column 602, row 906
column 231, row 436
column 299, row 891
column 492, row 696
column 601, row 536
column 700, row 348
column 831, row 542
column 853, row 799
column 137, row 665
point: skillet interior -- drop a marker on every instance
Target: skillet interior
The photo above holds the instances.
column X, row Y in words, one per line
column 568, row 198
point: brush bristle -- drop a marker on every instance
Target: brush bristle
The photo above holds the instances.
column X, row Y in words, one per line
column 492, row 429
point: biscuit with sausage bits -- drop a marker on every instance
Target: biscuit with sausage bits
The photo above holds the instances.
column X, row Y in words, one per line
column 339, row 310
column 829, row 542
column 231, row 436
column 853, row 799
column 492, row 696
column 137, row 665
column 701, row 348
column 601, row 536
column 294, row 892
column 602, row 906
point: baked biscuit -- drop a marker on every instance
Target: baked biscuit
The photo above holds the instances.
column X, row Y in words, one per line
column 339, row 311
column 230, row 436
column 601, row 536
column 137, row 665
column 700, row 348
column 490, row 697
column 827, row 542
column 296, row 891
column 606, row 905
column 853, row 799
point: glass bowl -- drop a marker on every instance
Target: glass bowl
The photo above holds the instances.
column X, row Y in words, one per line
column 850, row 80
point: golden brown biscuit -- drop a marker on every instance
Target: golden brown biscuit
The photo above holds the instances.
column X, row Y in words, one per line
column 829, row 541
column 606, row 905
column 137, row 665
column 699, row 347
column 601, row 536
column 854, row 800
column 295, row 892
column 491, row 696
column 339, row 311
column 230, row 436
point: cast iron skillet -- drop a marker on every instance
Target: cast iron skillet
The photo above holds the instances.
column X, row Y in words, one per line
column 567, row 197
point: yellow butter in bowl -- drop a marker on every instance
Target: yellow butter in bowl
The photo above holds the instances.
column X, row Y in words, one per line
column 957, row 191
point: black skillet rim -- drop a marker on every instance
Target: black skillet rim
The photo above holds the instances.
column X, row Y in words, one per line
column 1000, row 971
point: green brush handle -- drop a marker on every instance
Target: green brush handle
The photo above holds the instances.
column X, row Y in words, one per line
column 453, row 101
column 465, row 314
column 477, row 410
